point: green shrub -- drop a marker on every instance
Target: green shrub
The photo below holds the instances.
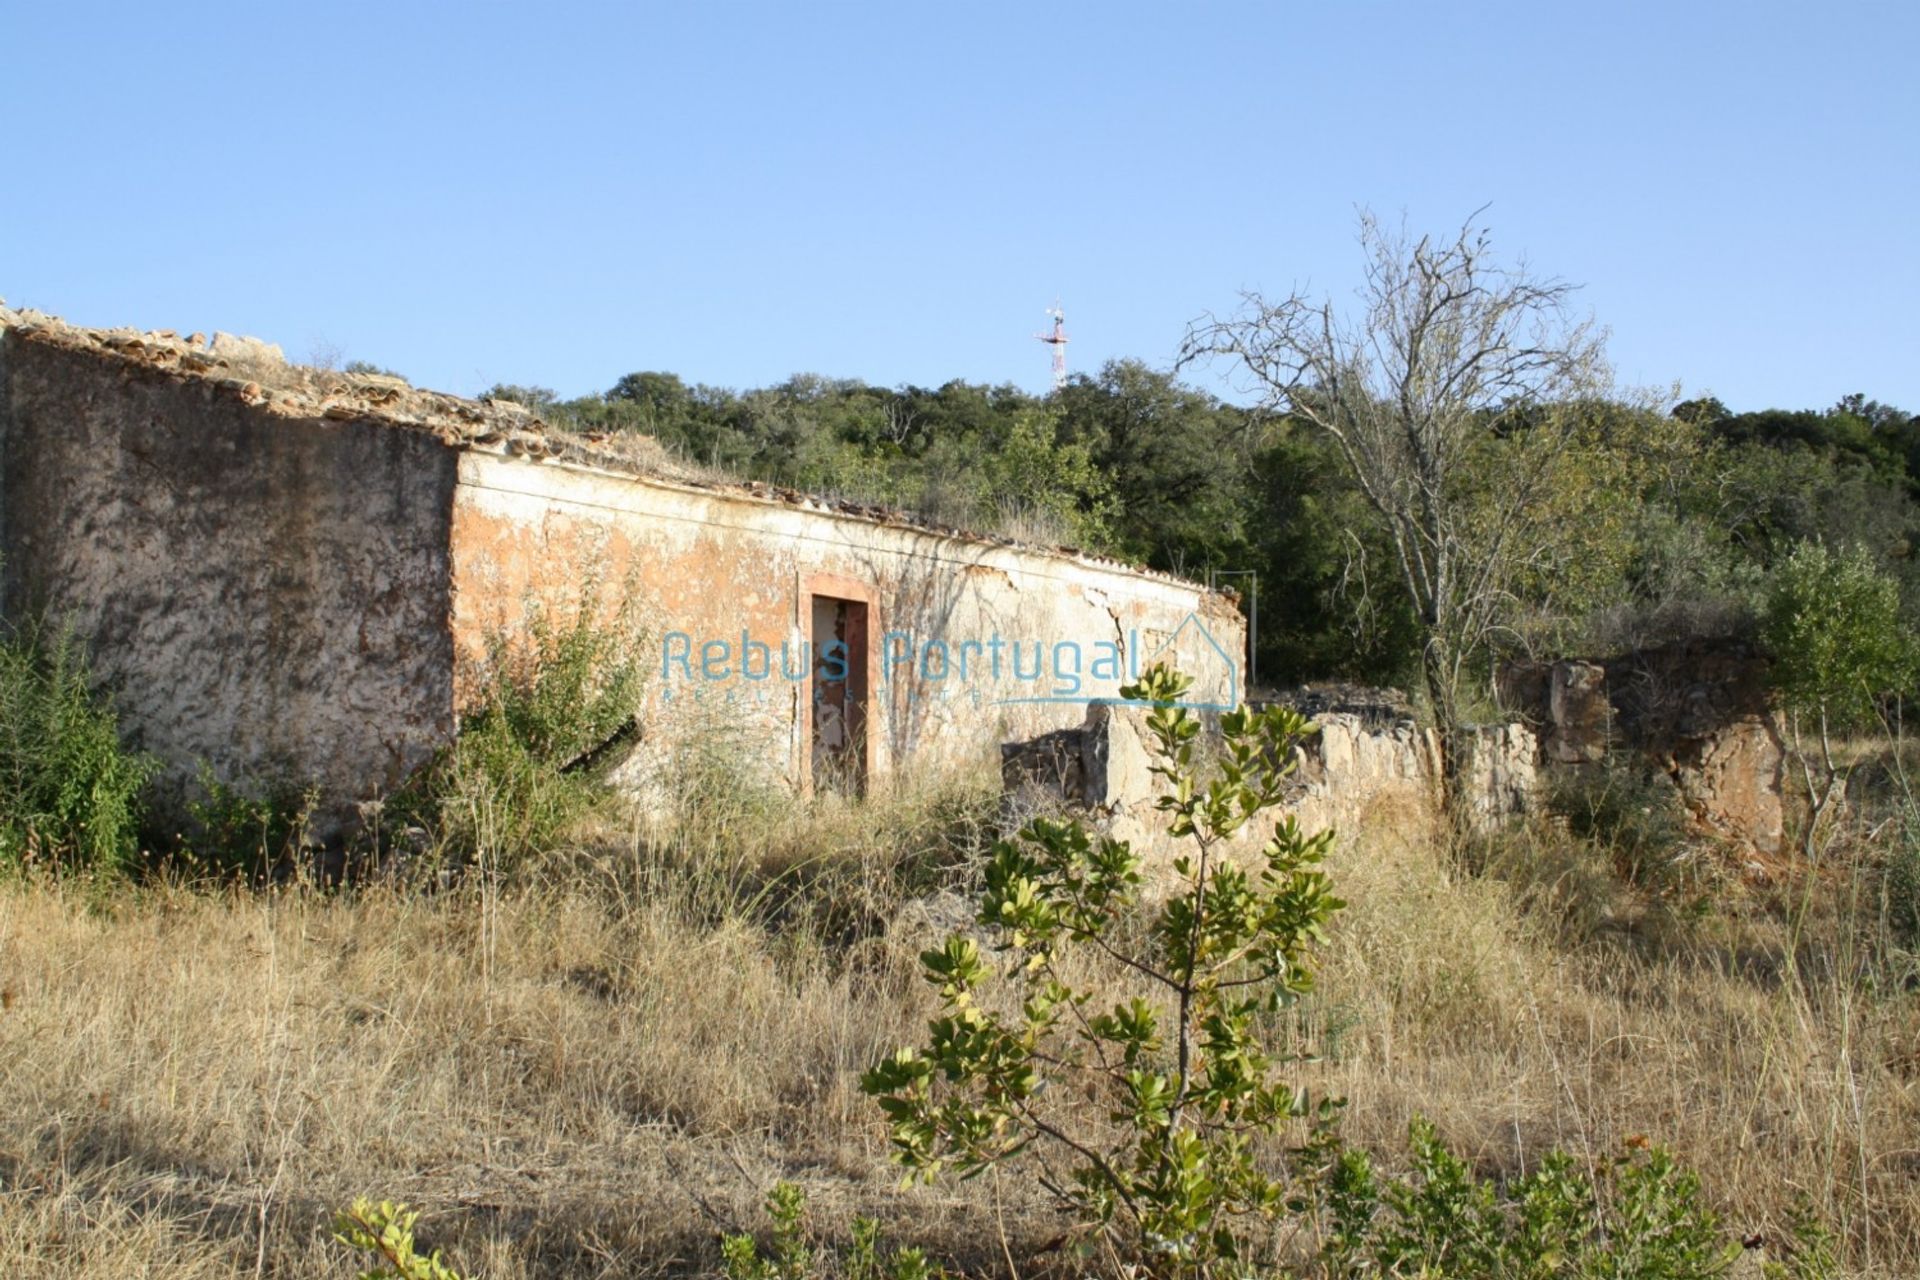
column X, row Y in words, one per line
column 569, row 686
column 254, row 832
column 70, row 791
column 528, row 764
column 1142, row 1119
column 1832, row 625
column 490, row 797
column 385, row 1231
column 1639, row 1217
column 793, row 1255
column 1833, row 629
column 1631, row 813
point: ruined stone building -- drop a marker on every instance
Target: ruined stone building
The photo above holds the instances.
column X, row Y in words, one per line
column 289, row 574
column 283, row 572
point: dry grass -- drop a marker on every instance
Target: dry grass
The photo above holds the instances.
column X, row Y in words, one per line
column 574, row 1081
column 1771, row 1041
column 593, row 1076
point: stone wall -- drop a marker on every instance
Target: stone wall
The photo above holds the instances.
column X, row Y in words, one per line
column 1368, row 762
column 1698, row 713
column 265, row 590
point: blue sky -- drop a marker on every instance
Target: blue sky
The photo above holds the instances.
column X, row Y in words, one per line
column 562, row 193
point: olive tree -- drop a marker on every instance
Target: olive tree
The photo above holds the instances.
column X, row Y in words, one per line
column 1455, row 394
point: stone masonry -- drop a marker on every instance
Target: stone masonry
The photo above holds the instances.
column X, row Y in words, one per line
column 1696, row 712
column 1367, row 762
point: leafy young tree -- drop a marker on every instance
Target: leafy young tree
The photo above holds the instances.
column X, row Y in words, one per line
column 1453, row 397
column 384, row 1232
column 1833, row 628
column 1031, row 470
column 1142, row 1117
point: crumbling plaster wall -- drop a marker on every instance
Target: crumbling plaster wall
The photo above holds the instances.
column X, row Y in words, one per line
column 726, row 566
column 263, row 592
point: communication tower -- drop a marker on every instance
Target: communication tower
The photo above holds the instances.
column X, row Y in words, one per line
column 1058, row 341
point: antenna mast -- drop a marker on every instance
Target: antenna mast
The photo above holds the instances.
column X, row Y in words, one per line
column 1058, row 341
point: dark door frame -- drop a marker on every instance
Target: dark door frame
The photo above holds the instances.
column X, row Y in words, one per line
column 862, row 662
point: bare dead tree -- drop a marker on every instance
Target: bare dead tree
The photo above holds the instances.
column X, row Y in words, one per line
column 901, row 420
column 1451, row 393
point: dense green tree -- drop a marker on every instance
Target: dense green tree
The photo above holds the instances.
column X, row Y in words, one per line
column 1330, row 604
column 1180, row 462
column 659, row 398
column 1833, row 629
column 1774, row 479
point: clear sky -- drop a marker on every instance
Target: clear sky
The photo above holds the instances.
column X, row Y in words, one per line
column 562, row 193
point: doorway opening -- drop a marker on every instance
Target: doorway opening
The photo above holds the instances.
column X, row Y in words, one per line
column 841, row 692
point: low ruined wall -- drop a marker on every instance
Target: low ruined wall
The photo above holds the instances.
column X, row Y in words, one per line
column 1698, row 713
column 1358, row 767
column 1367, row 764
column 264, row 593
column 735, row 570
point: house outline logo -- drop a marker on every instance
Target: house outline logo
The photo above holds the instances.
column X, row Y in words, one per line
column 1165, row 651
column 1213, row 642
